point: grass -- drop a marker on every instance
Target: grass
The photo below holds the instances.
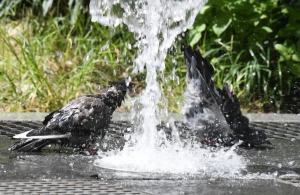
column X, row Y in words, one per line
column 46, row 62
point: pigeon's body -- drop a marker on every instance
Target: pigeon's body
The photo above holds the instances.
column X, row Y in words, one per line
column 214, row 113
column 78, row 124
column 239, row 124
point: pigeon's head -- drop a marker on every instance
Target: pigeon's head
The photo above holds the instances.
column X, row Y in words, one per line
column 118, row 88
column 122, row 86
column 116, row 92
column 119, row 85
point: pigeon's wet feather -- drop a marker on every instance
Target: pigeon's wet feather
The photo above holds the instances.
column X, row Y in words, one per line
column 84, row 118
column 202, row 95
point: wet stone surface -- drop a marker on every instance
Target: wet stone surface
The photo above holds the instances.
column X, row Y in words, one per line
column 66, row 169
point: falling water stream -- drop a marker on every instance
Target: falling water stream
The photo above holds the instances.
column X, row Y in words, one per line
column 156, row 24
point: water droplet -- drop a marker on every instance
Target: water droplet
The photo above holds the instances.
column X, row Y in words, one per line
column 127, row 136
column 128, row 80
column 59, row 55
column 293, row 139
column 104, row 47
column 87, row 57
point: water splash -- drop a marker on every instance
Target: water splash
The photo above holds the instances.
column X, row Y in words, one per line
column 175, row 159
column 175, row 156
column 156, row 24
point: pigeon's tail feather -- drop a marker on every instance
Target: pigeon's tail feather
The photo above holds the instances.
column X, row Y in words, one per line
column 30, row 145
column 33, row 140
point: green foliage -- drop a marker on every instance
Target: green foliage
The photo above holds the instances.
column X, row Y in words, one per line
column 253, row 44
column 8, row 7
column 50, row 57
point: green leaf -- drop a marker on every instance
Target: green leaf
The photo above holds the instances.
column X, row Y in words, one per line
column 295, row 69
column 287, row 53
column 284, row 51
column 284, row 10
column 204, row 8
column 195, row 34
column 201, row 28
column 195, row 39
column 268, row 29
column 220, row 28
column 263, row 16
column 296, row 58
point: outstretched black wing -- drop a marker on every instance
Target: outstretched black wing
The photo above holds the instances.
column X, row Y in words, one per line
column 201, row 101
column 208, row 96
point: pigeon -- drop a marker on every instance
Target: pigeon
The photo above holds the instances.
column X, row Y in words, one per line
column 78, row 124
column 214, row 113
column 239, row 124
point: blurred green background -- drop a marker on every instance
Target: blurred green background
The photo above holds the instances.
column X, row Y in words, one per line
column 51, row 52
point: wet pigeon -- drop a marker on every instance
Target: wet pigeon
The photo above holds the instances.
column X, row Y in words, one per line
column 214, row 113
column 78, row 124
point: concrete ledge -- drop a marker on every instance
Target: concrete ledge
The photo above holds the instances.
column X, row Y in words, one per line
column 32, row 116
column 273, row 117
column 29, row 116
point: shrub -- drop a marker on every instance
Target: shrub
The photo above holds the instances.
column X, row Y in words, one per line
column 255, row 45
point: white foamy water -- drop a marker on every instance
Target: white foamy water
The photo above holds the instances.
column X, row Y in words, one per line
column 156, row 24
column 176, row 160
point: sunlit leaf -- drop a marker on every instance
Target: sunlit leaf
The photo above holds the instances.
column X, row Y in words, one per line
column 295, row 69
column 284, row 10
column 263, row 16
column 220, row 28
column 195, row 39
column 268, row 29
column 284, row 51
column 195, row 34
column 204, row 8
column 201, row 28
